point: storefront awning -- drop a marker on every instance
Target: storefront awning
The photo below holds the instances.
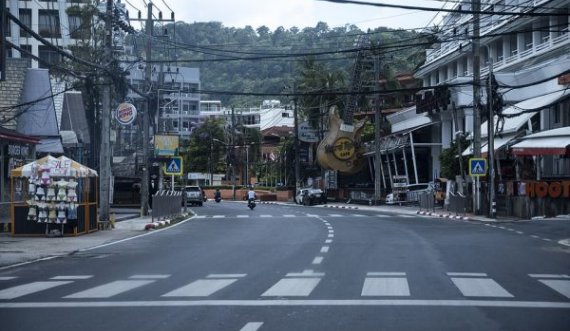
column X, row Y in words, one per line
column 499, row 143
column 518, row 115
column 550, row 142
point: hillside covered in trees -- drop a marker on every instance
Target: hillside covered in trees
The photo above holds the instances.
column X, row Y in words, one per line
column 238, row 62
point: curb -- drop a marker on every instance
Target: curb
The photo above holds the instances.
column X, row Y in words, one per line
column 340, row 207
column 443, row 215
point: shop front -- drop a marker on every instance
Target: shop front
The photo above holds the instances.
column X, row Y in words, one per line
column 15, row 150
column 53, row 196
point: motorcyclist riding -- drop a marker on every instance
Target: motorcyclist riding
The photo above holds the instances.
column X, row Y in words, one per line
column 217, row 195
column 251, row 198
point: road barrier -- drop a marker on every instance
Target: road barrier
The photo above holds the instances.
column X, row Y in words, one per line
column 166, row 204
column 458, row 203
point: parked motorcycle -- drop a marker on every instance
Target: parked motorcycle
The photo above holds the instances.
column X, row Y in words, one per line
column 218, row 199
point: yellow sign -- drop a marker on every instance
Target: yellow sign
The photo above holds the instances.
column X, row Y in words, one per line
column 343, row 148
column 165, row 145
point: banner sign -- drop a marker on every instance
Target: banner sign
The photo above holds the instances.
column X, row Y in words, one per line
column 126, row 113
column 165, row 145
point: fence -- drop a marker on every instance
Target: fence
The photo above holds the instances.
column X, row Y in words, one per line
column 362, row 196
column 165, row 204
column 458, row 203
column 426, row 201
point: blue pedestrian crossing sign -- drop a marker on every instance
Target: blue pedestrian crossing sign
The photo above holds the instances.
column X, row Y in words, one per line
column 477, row 167
column 173, row 166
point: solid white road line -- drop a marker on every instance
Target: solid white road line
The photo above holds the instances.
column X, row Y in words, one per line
column 252, row 326
column 480, row 287
column 200, row 288
column 560, row 286
column 149, row 276
column 386, row 286
column 317, row 260
column 290, row 303
column 289, row 287
column 380, row 274
column 71, row 277
column 25, row 289
column 110, row 289
column 467, row 274
column 548, row 276
column 226, row 275
column 7, row 278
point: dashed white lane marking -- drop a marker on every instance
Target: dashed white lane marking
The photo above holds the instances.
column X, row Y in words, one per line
column 560, row 286
column 219, row 216
column 480, row 287
column 358, row 215
column 519, row 232
column 110, row 289
column 200, row 216
column 7, row 278
column 324, row 249
column 242, row 216
column 549, row 276
column 334, row 215
column 406, row 216
column 200, row 288
column 331, row 231
column 25, row 289
column 328, row 241
column 385, row 286
column 71, row 277
column 149, row 276
column 265, row 216
column 546, row 239
column 252, row 326
column 317, row 260
column 331, row 235
column 288, row 215
column 292, row 303
column 535, row 236
column 287, row 287
column 382, row 215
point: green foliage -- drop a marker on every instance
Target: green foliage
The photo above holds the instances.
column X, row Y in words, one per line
column 203, row 149
column 449, row 159
column 212, row 41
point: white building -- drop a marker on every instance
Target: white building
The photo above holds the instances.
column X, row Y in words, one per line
column 529, row 55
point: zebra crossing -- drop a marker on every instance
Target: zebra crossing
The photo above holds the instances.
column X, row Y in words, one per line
column 292, row 285
column 254, row 216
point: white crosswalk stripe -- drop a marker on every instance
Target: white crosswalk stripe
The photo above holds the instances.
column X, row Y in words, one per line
column 200, row 288
column 25, row 289
column 480, row 287
column 110, row 289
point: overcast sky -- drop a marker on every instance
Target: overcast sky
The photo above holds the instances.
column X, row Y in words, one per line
column 288, row 13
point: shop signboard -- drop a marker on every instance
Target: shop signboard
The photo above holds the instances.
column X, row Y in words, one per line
column 165, row 145
column 307, row 133
column 126, row 113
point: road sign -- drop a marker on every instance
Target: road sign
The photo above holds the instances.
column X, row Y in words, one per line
column 477, row 167
column 173, row 166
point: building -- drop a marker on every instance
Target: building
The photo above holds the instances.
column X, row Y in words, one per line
column 529, row 55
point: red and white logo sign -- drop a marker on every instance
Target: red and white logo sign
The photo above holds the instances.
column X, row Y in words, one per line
column 126, row 113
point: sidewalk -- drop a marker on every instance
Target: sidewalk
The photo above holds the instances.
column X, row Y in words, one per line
column 17, row 250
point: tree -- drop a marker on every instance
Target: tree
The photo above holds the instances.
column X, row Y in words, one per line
column 204, row 149
column 449, row 159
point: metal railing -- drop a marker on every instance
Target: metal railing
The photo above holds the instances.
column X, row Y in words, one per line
column 458, row 203
column 426, row 201
column 166, row 204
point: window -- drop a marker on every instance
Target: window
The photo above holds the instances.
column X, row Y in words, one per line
column 528, row 38
column 513, row 42
column 284, row 114
column 499, row 51
column 27, row 48
column 454, row 70
column 175, row 124
column 48, row 23
column 25, row 16
column 75, row 26
column 49, row 56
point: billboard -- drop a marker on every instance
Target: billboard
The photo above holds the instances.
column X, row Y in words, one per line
column 165, row 145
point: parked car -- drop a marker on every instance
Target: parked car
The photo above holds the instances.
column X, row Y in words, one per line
column 194, row 195
column 310, row 196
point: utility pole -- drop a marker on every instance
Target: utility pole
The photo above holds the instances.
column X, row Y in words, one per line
column 491, row 142
column 105, row 153
column 3, row 25
column 149, row 27
column 476, row 6
column 377, row 137
column 297, row 163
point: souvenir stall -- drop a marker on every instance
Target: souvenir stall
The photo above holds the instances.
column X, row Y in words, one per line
column 53, row 197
